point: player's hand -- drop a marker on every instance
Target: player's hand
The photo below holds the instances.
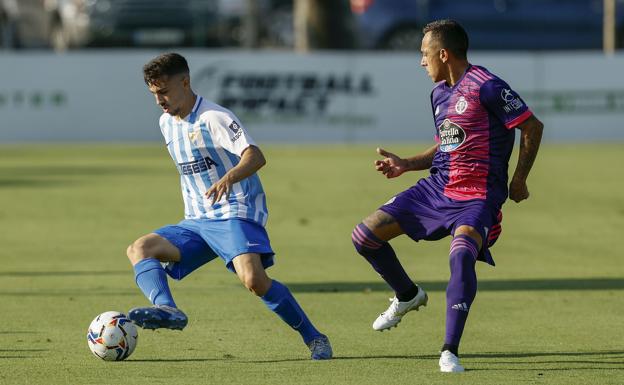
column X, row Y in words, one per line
column 220, row 189
column 391, row 166
column 518, row 190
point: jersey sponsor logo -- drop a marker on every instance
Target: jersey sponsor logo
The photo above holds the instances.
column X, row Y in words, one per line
column 390, row 201
column 437, row 111
column 461, row 105
column 196, row 166
column 513, row 103
column 452, row 136
column 235, row 127
column 507, row 95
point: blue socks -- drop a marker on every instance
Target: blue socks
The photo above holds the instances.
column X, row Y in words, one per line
column 281, row 301
column 151, row 278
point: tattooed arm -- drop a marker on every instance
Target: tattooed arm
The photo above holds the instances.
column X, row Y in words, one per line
column 530, row 138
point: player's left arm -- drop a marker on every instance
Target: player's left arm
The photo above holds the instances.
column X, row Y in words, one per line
column 251, row 161
column 530, row 138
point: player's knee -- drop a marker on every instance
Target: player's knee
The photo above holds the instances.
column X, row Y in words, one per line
column 137, row 251
column 258, row 284
column 132, row 255
column 365, row 244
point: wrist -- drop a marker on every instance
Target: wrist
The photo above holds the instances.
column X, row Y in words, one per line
column 518, row 179
column 229, row 177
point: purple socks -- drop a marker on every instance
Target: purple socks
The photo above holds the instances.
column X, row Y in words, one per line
column 383, row 259
column 462, row 287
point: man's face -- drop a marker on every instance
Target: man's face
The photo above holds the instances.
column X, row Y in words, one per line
column 431, row 59
column 170, row 92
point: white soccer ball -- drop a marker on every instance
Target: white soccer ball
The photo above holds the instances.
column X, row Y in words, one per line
column 112, row 336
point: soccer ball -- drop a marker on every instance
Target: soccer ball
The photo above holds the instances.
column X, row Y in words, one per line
column 112, row 336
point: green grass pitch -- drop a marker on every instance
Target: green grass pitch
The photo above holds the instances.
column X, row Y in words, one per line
column 551, row 312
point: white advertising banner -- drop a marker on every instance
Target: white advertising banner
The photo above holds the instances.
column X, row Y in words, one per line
column 286, row 97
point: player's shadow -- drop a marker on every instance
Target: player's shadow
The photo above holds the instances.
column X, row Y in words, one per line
column 177, row 360
column 61, row 273
column 23, row 350
column 15, row 353
column 607, row 359
column 35, row 172
column 490, row 358
column 564, row 361
column 33, row 183
column 37, row 176
column 484, row 285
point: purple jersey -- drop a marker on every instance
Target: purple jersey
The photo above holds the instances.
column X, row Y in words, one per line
column 474, row 121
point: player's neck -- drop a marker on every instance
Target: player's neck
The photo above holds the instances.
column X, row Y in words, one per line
column 456, row 72
column 186, row 109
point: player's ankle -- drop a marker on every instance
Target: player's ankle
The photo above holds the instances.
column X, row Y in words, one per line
column 451, row 348
column 409, row 294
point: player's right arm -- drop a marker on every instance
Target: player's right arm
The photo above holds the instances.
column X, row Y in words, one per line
column 530, row 138
column 392, row 166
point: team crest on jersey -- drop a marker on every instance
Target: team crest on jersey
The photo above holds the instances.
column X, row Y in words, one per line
column 194, row 136
column 452, row 136
column 461, row 105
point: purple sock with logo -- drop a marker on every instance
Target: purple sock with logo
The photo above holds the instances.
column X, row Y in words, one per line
column 462, row 287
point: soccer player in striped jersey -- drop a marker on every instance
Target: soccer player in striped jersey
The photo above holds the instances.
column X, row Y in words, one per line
column 224, row 208
column 475, row 115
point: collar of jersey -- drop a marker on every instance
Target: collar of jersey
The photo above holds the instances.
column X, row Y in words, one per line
column 192, row 117
column 460, row 79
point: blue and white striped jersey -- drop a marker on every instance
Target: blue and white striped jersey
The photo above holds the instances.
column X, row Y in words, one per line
column 204, row 146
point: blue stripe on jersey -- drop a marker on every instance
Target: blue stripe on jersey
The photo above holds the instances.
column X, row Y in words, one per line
column 249, row 186
column 242, row 186
column 171, row 131
column 255, row 200
column 186, row 157
column 221, row 170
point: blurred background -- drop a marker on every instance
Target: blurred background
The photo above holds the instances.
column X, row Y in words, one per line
column 306, row 24
column 301, row 70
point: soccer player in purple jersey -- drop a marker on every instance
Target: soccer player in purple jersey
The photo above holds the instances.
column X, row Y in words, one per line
column 475, row 113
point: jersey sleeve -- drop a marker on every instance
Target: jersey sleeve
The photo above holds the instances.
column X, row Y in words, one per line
column 505, row 103
column 229, row 133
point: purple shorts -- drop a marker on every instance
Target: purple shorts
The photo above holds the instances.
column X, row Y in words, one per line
column 424, row 212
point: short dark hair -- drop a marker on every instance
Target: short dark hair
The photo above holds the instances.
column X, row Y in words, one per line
column 167, row 64
column 451, row 35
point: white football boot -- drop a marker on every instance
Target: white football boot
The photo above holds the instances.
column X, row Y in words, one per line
column 449, row 363
column 391, row 317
